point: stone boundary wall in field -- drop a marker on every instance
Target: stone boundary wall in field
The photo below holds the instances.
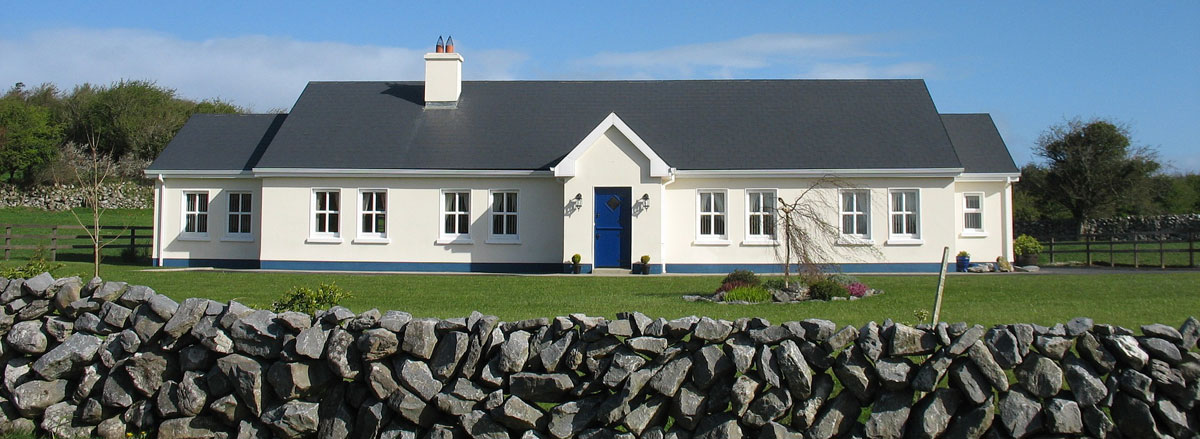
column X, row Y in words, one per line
column 1177, row 225
column 122, row 195
column 106, row 358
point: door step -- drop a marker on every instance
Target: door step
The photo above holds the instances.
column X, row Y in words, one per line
column 610, row 271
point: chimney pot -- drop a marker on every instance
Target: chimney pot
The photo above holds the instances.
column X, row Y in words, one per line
column 440, row 48
column 449, row 44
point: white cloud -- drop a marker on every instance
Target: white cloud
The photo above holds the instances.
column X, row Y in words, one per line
column 259, row 72
column 797, row 55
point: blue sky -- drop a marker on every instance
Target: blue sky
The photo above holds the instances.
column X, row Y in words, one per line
column 1029, row 64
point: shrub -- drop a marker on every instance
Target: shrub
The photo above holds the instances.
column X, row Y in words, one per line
column 775, row 283
column 827, row 289
column 134, row 254
column 305, row 300
column 744, row 276
column 748, row 294
column 1027, row 245
column 575, row 258
column 964, row 254
column 36, row 265
column 843, row 279
column 857, row 289
column 645, row 259
column 728, row 286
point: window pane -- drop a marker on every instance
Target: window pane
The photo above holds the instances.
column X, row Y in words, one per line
column 203, row 202
column 972, row 201
column 449, row 201
column 511, row 202
column 897, row 224
column 768, row 201
column 464, row 202
column 705, row 202
column 719, row 224
column 449, row 226
column 910, row 224
column 202, row 223
column 245, row 224
column 463, row 221
column 861, row 202
column 368, row 201
column 497, row 224
column 848, row 224
column 333, row 200
column 769, row 225
column 497, row 202
column 234, row 202
column 190, row 224
column 706, row 225
column 367, row 222
column 333, row 223
column 974, row 221
column 233, row 223
column 321, row 223
column 862, row 224
column 847, row 202
column 718, row 202
column 511, row 225
column 756, row 202
column 322, row 202
column 755, row 225
column 381, row 223
column 191, row 202
column 247, row 201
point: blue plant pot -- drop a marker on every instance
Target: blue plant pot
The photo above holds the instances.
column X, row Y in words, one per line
column 961, row 263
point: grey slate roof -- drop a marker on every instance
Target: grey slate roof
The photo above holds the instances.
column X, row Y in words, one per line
column 531, row 125
column 978, row 143
column 219, row 142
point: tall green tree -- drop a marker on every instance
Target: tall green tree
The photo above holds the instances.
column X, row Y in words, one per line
column 29, row 138
column 1092, row 169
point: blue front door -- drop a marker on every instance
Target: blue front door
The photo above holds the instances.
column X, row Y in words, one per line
column 612, row 226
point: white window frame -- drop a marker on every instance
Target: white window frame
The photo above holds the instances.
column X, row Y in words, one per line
column 854, row 238
column 904, row 238
column 712, row 238
column 372, row 236
column 772, row 216
column 230, row 213
column 459, row 237
column 504, row 238
column 326, row 236
column 970, row 232
column 183, row 219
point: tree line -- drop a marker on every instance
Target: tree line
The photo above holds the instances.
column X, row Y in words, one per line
column 1092, row 169
column 45, row 131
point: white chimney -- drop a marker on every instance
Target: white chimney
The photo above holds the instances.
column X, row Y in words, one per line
column 443, row 76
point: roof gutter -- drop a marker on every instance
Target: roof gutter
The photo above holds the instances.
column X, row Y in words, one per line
column 417, row 173
column 196, row 173
column 816, row 173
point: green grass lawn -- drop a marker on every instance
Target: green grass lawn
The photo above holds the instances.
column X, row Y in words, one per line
column 1123, row 299
column 111, row 217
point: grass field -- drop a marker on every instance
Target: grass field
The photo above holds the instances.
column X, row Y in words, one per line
column 1123, row 299
column 112, row 217
column 1148, row 254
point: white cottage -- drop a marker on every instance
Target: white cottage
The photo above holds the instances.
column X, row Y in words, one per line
column 517, row 176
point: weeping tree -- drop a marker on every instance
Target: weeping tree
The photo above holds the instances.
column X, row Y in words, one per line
column 809, row 238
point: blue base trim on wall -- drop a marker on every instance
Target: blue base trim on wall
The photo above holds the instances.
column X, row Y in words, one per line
column 444, row 267
column 243, row 264
column 897, row 267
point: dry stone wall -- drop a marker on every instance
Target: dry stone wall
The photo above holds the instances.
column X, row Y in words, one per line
column 103, row 358
column 120, row 195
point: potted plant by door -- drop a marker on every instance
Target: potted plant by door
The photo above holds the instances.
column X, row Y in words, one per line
column 645, row 264
column 962, row 261
column 575, row 263
column 1027, row 249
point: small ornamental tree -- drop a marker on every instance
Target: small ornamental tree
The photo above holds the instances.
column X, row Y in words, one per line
column 809, row 238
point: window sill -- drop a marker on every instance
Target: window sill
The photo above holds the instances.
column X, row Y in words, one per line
column 504, row 241
column 973, row 235
column 237, row 238
column 760, row 243
column 371, row 241
column 454, row 241
column 711, row 242
column 193, row 237
column 905, row 241
column 323, row 240
column 851, row 240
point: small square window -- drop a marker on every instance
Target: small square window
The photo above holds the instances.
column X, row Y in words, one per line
column 195, row 214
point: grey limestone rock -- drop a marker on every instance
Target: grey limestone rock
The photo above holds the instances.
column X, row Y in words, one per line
column 135, row 295
column 298, row 379
column 572, row 417
column 712, row 331
column 1079, row 325
column 895, row 373
column 1096, row 423
column 552, row 387
column 185, row 316
column 146, row 323
column 108, row 291
column 60, row 421
column 245, row 375
column 198, row 427
column 1085, row 383
column 870, row 341
column 709, row 364
column 1039, row 375
column 1004, row 346
column 416, row 377
column 805, row 411
column 257, row 333
column 741, row 351
column 906, row 340
column 1063, row 416
column 1161, row 349
column 817, row 330
column 856, row 374
column 1090, row 349
column 33, row 397
column 1189, row 333
column 648, row 412
column 983, row 359
column 39, row 285
column 27, row 337
column 687, row 407
column 842, row 338
column 519, row 415
column 1127, row 350
column 162, row 305
column 69, row 357
column 795, row 370
column 394, row 321
column 931, row 371
column 479, row 425
column 514, row 352
column 295, row 321
column 68, row 291
column 742, row 392
column 668, row 379
column 719, row 426
column 645, row 345
column 380, row 380
column 1020, row 413
column 1159, row 330
column 836, row 418
column 146, row 371
column 311, row 342
column 932, row 414
column 362, row 322
column 378, row 343
column 1052, row 346
column 972, row 423
column 967, row 378
column 420, row 338
column 293, row 419
column 769, row 406
column 449, row 351
column 342, row 354
column 1133, row 417
column 889, row 413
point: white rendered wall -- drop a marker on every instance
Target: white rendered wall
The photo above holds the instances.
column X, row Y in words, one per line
column 612, row 161
column 217, row 245
column 997, row 220
column 413, row 221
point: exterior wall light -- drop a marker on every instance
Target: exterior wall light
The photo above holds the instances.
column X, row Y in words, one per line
column 645, row 200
